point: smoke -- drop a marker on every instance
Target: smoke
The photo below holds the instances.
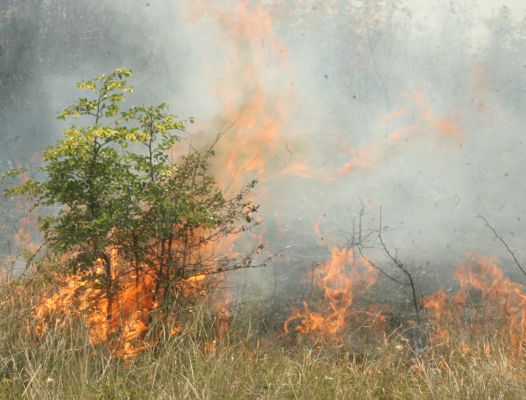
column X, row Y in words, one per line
column 414, row 106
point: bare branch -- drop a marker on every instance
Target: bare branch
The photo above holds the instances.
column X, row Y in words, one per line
column 505, row 244
column 400, row 265
column 382, row 271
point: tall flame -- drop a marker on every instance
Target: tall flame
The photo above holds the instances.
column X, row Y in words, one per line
column 342, row 278
column 83, row 296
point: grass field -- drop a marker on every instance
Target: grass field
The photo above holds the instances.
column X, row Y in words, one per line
column 246, row 364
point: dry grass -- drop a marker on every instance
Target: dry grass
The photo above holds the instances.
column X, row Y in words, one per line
column 62, row 364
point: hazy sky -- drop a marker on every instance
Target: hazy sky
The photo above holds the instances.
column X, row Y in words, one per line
column 414, row 106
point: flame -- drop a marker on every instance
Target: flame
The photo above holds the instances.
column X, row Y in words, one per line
column 317, row 229
column 256, row 99
column 481, row 83
column 341, row 278
column 501, row 307
column 427, row 124
column 193, row 286
column 256, row 113
column 27, row 223
column 255, row 104
column 82, row 296
column 223, row 306
column 429, row 121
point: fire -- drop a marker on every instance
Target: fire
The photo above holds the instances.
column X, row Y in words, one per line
column 498, row 303
column 342, row 279
column 192, row 286
column 441, row 125
column 256, row 113
column 415, row 121
column 81, row 296
column 24, row 239
column 486, row 302
column 256, row 99
column 318, row 230
column 223, row 306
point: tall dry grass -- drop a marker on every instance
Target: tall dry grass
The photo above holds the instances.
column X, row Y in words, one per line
column 246, row 364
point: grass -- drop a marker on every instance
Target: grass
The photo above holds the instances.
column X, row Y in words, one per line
column 246, row 364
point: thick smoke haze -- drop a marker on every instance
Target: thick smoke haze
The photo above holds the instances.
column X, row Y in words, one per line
column 416, row 107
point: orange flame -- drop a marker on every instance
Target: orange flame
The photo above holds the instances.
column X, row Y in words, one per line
column 223, row 307
column 342, row 278
column 428, row 124
column 256, row 113
column 256, row 97
column 502, row 303
column 82, row 296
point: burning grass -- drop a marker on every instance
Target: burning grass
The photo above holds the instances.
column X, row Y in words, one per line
column 63, row 365
column 137, row 320
column 471, row 360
